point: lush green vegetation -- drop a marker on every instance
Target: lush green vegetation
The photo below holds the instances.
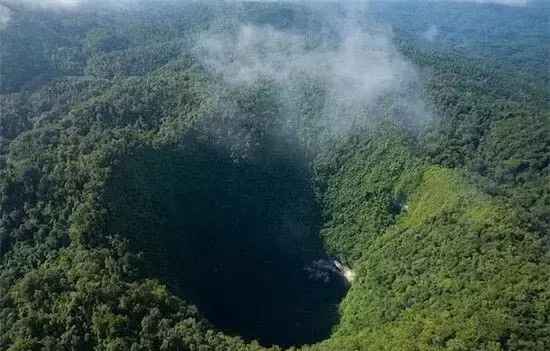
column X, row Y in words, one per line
column 146, row 204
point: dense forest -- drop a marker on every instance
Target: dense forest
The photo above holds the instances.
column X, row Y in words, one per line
column 250, row 175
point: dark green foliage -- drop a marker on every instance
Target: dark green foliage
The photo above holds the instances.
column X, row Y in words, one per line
column 101, row 41
column 509, row 37
column 146, row 205
column 363, row 187
column 93, row 303
column 133, row 61
column 22, row 56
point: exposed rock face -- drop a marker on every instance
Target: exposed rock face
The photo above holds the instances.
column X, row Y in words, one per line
column 327, row 269
column 345, row 271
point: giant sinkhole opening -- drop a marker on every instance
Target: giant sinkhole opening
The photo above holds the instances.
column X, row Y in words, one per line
column 239, row 239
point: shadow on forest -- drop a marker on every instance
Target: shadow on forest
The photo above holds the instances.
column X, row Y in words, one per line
column 232, row 238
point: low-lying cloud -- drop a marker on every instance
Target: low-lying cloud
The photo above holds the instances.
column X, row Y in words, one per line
column 353, row 74
column 40, row 3
column 498, row 2
column 362, row 66
column 7, row 7
column 431, row 33
column 5, row 15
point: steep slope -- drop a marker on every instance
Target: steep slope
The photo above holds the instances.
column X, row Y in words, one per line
column 457, row 271
column 148, row 204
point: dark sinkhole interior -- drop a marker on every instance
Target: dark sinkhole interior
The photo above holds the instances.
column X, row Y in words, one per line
column 238, row 239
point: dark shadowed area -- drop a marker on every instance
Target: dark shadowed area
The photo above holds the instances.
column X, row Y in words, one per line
column 235, row 238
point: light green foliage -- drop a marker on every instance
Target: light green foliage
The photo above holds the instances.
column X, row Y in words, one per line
column 139, row 194
column 456, row 272
column 364, row 184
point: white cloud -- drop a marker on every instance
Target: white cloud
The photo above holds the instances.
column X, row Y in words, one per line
column 5, row 15
column 500, row 2
column 6, row 7
column 42, row 3
column 363, row 63
column 354, row 74
column 62, row 3
column 431, row 33
column 519, row 3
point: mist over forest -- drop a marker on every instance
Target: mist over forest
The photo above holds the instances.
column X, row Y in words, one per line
column 274, row 175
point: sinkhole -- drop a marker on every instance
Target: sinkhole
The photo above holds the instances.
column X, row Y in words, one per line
column 239, row 239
